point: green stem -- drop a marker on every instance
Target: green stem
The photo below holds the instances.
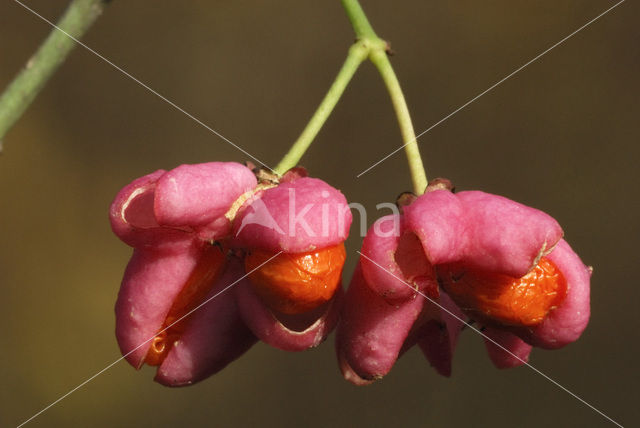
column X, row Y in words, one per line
column 357, row 54
column 27, row 84
column 418, row 175
column 370, row 46
column 378, row 56
column 359, row 20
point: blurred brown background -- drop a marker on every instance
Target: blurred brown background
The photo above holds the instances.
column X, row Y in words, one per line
column 562, row 136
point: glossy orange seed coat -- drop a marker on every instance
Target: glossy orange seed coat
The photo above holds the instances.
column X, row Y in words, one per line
column 496, row 298
column 193, row 293
column 296, row 283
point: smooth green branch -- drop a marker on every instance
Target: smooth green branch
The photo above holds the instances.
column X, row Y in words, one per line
column 357, row 54
column 367, row 46
column 359, row 20
column 378, row 56
column 418, row 175
column 50, row 55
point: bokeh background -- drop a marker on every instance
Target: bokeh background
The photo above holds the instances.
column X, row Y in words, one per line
column 562, row 136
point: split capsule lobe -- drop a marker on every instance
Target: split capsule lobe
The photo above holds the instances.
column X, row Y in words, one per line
column 193, row 293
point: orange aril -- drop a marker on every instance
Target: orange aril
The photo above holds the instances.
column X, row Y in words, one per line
column 296, row 283
column 193, row 293
column 496, row 298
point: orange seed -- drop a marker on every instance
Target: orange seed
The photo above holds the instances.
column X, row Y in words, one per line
column 296, row 283
column 495, row 298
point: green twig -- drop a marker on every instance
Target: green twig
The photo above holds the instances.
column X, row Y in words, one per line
column 418, row 175
column 367, row 46
column 27, row 84
column 357, row 53
column 359, row 20
column 378, row 56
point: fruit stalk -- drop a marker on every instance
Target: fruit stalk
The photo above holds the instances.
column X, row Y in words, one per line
column 75, row 22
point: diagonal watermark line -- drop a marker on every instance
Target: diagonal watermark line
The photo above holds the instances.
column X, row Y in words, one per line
column 495, row 343
column 156, row 93
column 145, row 342
column 499, row 82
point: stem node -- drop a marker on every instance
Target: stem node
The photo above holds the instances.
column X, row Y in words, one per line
column 366, row 46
